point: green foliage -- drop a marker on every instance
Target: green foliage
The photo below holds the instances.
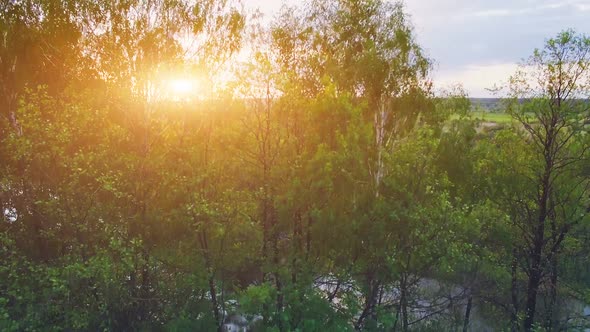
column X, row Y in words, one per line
column 325, row 189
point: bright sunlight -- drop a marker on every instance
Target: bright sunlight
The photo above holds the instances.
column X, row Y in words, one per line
column 182, row 88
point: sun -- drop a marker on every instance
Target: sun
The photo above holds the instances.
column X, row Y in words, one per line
column 182, row 88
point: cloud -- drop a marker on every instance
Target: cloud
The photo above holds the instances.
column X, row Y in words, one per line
column 495, row 13
column 478, row 42
column 518, row 8
column 583, row 6
column 476, row 79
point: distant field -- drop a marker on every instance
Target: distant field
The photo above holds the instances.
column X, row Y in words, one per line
column 489, row 117
column 493, row 117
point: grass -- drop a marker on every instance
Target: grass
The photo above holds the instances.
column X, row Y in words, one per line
column 483, row 116
column 493, row 117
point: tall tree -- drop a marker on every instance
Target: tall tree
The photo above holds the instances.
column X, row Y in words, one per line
column 365, row 50
column 551, row 92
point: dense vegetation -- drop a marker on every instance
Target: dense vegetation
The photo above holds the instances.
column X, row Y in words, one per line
column 315, row 181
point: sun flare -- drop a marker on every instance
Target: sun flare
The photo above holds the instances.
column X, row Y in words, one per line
column 182, row 88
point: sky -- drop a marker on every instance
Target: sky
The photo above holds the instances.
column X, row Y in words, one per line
column 478, row 43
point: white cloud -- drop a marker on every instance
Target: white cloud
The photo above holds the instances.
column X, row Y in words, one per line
column 477, row 42
column 494, row 13
column 583, row 6
column 476, row 79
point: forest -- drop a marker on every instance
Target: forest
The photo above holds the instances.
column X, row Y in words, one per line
column 182, row 165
